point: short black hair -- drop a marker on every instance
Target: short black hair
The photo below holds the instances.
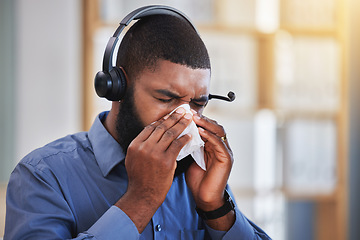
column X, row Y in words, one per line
column 163, row 37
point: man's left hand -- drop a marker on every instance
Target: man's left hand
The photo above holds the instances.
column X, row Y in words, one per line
column 208, row 186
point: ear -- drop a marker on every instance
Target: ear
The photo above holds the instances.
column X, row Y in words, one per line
column 126, row 76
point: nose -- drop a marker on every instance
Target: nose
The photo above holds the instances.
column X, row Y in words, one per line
column 186, row 106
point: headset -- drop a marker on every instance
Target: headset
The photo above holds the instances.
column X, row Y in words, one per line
column 110, row 83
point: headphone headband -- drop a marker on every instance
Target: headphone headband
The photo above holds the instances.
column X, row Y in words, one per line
column 155, row 10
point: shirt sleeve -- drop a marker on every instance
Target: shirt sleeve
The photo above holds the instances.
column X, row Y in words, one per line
column 114, row 223
column 36, row 210
column 242, row 227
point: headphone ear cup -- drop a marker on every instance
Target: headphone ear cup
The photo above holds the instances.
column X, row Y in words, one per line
column 103, row 84
column 119, row 84
column 112, row 85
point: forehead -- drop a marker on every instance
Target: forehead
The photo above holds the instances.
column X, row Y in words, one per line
column 176, row 77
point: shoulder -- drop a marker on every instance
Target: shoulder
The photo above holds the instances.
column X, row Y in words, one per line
column 58, row 151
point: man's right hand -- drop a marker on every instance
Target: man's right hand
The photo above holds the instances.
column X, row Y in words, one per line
column 150, row 164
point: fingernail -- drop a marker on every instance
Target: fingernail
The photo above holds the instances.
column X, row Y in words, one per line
column 197, row 117
column 188, row 116
column 193, row 111
column 180, row 110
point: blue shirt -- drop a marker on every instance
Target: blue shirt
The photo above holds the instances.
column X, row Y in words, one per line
column 67, row 189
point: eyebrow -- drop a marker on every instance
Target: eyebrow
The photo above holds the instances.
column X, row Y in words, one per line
column 176, row 96
column 168, row 93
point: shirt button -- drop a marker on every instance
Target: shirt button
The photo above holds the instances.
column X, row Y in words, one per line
column 158, row 228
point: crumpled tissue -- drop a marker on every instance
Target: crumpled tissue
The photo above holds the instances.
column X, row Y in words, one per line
column 196, row 145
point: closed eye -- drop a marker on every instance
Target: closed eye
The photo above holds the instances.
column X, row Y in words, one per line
column 165, row 100
column 198, row 105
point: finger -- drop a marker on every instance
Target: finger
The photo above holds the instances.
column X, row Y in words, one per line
column 209, row 124
column 219, row 145
column 170, row 121
column 178, row 144
column 146, row 132
column 172, row 133
column 158, row 127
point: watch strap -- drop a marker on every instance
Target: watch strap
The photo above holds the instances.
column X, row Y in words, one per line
column 221, row 211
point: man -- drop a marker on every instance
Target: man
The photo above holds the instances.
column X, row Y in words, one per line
column 121, row 179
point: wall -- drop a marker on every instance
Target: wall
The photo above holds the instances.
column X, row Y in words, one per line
column 48, row 71
column 7, row 97
column 40, row 65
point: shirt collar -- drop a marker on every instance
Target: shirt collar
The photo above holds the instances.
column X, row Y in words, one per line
column 107, row 150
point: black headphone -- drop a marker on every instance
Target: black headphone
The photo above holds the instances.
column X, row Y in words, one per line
column 110, row 83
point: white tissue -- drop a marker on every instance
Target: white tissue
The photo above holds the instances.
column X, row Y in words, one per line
column 196, row 145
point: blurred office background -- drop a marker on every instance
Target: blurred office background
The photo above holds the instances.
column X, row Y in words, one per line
column 294, row 127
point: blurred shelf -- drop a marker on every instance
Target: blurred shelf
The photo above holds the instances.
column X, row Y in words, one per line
column 330, row 197
column 312, row 32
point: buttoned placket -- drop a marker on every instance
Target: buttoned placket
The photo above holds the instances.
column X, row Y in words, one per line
column 158, row 225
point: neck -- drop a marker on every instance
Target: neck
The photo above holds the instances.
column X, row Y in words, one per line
column 110, row 121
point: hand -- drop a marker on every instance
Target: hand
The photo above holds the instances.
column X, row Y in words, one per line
column 150, row 163
column 208, row 186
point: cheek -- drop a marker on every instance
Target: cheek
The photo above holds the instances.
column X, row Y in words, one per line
column 146, row 108
column 151, row 111
column 152, row 115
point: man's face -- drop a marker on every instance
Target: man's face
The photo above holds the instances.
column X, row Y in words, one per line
column 156, row 93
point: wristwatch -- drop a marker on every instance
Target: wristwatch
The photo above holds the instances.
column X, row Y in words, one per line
column 221, row 211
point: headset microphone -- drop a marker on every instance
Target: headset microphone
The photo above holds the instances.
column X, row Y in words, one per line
column 230, row 97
